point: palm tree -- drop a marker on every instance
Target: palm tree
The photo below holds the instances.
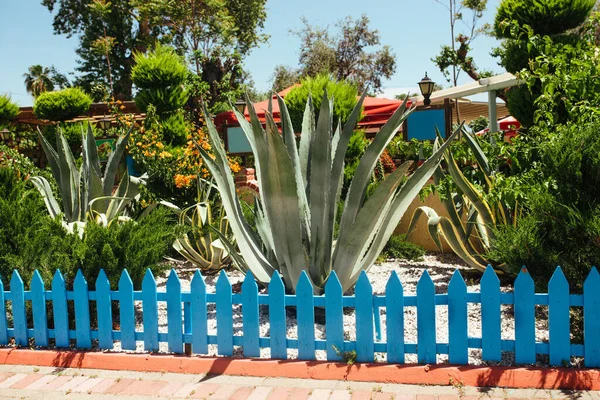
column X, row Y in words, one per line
column 38, row 80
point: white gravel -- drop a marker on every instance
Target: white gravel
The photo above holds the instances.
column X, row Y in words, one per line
column 440, row 268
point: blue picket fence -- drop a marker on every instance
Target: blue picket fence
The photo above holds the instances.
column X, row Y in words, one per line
column 188, row 320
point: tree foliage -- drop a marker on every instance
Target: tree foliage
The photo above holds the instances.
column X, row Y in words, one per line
column 8, row 109
column 214, row 35
column 344, row 93
column 123, row 23
column 284, row 77
column 455, row 58
column 160, row 77
column 354, row 54
column 555, row 66
column 545, row 17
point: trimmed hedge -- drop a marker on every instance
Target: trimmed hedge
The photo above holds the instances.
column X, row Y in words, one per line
column 62, row 105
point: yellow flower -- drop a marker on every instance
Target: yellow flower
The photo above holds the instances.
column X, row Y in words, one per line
column 122, row 107
column 164, row 154
column 160, row 145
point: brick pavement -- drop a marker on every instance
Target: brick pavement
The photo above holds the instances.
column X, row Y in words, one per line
column 26, row 382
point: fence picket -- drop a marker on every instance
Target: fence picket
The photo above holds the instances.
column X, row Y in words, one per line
column 174, row 314
column 394, row 311
column 277, row 317
column 524, row 318
column 224, row 316
column 457, row 320
column 558, row 319
column 59, row 308
column 82, row 312
column 364, row 319
column 104, row 311
column 150, row 312
column 490, row 316
column 17, row 296
column 591, row 319
column 127, row 312
column 3, row 320
column 198, row 314
column 250, row 319
column 38, row 308
column 334, row 318
column 305, row 310
column 426, row 331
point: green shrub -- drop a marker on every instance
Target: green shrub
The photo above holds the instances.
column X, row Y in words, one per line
column 175, row 128
column 22, row 216
column 62, row 105
column 160, row 77
column 561, row 225
column 343, row 92
column 546, row 17
column 8, row 109
column 398, row 247
column 135, row 246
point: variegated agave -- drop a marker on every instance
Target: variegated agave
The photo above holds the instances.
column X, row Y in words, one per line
column 469, row 227
column 300, row 188
column 86, row 193
column 202, row 247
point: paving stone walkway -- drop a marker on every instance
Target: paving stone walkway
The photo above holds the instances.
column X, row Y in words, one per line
column 26, row 382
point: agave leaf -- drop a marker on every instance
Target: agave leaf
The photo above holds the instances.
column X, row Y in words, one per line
column 51, row 155
column 246, row 238
column 113, row 162
column 432, row 224
column 320, row 183
column 402, row 200
column 450, row 204
column 280, row 200
column 362, row 176
column 471, row 221
column 337, row 168
column 480, row 156
column 90, row 151
column 355, row 240
column 289, row 139
column 69, row 183
column 471, row 193
column 46, row 191
column 308, row 129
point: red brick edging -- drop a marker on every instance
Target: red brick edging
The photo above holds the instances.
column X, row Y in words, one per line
column 511, row 377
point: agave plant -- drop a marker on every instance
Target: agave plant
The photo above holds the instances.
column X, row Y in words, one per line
column 202, row 247
column 85, row 192
column 300, row 189
column 469, row 227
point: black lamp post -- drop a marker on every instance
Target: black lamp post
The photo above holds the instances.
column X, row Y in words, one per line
column 426, row 87
column 5, row 135
column 240, row 105
column 104, row 123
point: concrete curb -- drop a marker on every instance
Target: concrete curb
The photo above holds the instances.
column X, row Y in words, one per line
column 496, row 376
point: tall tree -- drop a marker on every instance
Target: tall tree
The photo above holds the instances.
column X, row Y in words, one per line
column 348, row 55
column 215, row 35
column 38, row 80
column 284, row 77
column 125, row 24
column 454, row 59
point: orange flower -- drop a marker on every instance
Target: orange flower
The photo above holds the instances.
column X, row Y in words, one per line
column 122, row 107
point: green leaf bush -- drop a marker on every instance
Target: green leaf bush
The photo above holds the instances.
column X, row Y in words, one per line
column 8, row 109
column 546, row 17
column 344, row 93
column 561, row 225
column 161, row 77
column 62, row 105
column 30, row 239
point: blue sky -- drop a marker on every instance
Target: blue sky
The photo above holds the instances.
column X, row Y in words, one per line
column 415, row 29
